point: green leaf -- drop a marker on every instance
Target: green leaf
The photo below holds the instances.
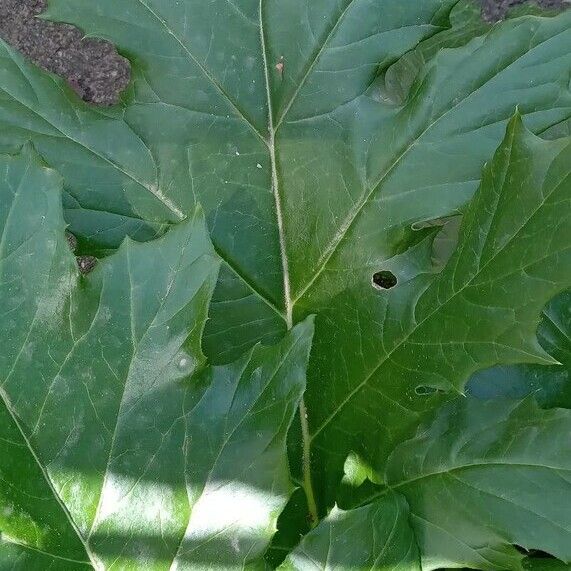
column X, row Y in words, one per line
column 193, row 76
column 377, row 536
column 205, row 69
column 114, row 452
column 484, row 307
column 312, row 171
column 483, row 476
column 550, row 385
column 545, row 564
column 30, row 513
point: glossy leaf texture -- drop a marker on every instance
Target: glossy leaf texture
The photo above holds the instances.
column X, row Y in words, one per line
column 122, row 450
column 198, row 126
column 509, row 261
column 315, row 151
column 486, row 475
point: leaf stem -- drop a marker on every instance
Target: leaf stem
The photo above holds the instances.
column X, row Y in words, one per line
column 306, row 440
column 307, row 483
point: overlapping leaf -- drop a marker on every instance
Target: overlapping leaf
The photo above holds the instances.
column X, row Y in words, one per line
column 474, row 310
column 513, row 256
column 377, row 536
column 483, row 477
column 30, row 513
column 550, row 385
column 114, row 454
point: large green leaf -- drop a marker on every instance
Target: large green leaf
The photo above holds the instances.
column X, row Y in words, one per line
column 484, row 307
column 313, row 155
column 483, row 476
column 114, row 453
column 377, row 536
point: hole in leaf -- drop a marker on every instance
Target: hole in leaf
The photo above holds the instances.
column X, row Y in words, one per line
column 425, row 391
column 384, row 280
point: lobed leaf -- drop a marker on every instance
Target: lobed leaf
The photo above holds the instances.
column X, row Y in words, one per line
column 115, row 454
column 482, row 477
column 431, row 333
column 323, row 139
column 312, row 155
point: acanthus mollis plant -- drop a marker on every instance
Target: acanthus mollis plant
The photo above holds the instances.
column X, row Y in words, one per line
column 290, row 165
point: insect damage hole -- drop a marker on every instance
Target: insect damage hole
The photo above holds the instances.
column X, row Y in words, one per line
column 425, row 391
column 384, row 280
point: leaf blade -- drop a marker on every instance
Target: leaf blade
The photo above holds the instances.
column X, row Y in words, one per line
column 467, row 315
column 377, row 536
column 370, row 153
column 97, row 371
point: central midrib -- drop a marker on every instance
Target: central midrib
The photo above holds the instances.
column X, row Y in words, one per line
column 270, row 142
column 307, row 484
column 274, row 178
column 355, row 212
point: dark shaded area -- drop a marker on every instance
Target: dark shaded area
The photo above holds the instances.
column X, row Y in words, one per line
column 494, row 10
column 92, row 67
column 384, row 280
column 293, row 524
column 86, row 263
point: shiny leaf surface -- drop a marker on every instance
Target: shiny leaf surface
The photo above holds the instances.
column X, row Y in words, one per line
column 480, row 478
column 115, row 452
column 550, row 386
column 323, row 139
column 483, row 308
